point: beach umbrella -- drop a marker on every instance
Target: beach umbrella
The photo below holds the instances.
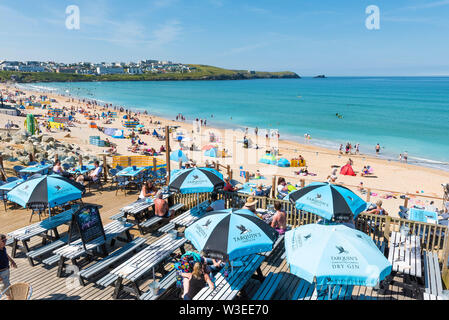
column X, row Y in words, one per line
column 347, row 170
column 211, row 153
column 231, row 233
column 46, row 190
column 268, row 159
column 195, row 180
column 327, row 200
column 335, row 255
column 178, row 155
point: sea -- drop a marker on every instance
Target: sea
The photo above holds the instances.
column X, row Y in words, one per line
column 402, row 114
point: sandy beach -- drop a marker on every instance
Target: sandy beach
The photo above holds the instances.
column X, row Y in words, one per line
column 390, row 180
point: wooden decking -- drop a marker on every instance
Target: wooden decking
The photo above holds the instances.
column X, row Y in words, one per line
column 47, row 286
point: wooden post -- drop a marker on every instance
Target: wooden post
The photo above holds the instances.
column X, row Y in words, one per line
column 273, row 187
column 80, row 160
column 56, row 157
column 444, row 271
column 180, row 163
column 406, row 201
column 230, row 177
column 229, row 171
column 387, row 228
column 303, row 183
column 129, row 161
column 105, row 169
column 246, row 176
column 154, row 164
column 2, row 169
column 368, row 195
column 167, row 154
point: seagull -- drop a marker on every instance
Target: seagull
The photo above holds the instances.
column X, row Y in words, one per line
column 207, row 223
column 243, row 229
column 341, row 249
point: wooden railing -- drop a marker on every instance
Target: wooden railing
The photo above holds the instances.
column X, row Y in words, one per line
column 433, row 237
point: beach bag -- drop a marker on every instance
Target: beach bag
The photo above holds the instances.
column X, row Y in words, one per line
column 185, row 265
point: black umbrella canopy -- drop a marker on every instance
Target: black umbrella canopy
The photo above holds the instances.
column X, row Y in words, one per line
column 196, row 180
column 327, row 200
column 231, row 233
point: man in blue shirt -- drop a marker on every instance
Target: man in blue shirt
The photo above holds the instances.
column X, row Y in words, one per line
column 5, row 259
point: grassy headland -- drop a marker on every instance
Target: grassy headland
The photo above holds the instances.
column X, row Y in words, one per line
column 200, row 72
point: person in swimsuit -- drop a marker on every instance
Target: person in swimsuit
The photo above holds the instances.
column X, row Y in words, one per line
column 279, row 221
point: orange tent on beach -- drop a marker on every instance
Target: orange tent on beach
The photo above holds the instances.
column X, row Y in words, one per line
column 347, row 170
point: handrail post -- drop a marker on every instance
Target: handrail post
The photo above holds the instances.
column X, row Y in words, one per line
column 273, row 187
column 368, row 195
column 387, row 228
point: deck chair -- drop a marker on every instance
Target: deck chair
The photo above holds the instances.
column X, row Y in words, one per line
column 18, row 291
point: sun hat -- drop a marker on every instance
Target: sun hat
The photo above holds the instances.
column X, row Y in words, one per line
column 250, row 202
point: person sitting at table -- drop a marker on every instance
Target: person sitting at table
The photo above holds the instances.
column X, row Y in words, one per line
column 58, row 169
column 148, row 190
column 282, row 188
column 195, row 281
column 161, row 206
column 93, row 176
column 279, row 221
column 228, row 186
column 215, row 204
column 259, row 191
column 378, row 210
column 250, row 205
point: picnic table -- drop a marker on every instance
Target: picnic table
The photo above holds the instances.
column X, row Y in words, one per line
column 187, row 218
column 149, row 259
column 5, row 188
column 75, row 249
column 405, row 256
column 249, row 188
column 38, row 168
column 39, row 229
column 227, row 288
column 138, row 210
column 423, row 215
column 130, row 172
column 81, row 169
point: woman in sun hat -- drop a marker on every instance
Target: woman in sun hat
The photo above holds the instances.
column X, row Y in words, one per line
column 250, row 205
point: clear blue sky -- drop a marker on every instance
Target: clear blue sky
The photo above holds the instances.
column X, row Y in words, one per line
column 308, row 37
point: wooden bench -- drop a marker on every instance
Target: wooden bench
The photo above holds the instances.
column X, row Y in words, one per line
column 112, row 258
column 432, row 276
column 53, row 259
column 117, row 216
column 168, row 227
column 176, row 207
column 166, row 282
column 150, row 222
column 37, row 253
column 107, row 280
column 268, row 287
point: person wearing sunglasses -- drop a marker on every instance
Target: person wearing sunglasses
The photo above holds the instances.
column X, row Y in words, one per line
column 5, row 259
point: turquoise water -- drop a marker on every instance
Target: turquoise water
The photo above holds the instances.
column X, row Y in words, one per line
column 401, row 113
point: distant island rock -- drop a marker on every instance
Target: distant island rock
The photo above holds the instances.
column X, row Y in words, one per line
column 321, row 76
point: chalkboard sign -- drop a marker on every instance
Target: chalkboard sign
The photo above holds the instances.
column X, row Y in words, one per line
column 87, row 222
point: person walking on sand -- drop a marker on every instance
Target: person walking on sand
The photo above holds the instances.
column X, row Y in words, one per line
column 405, row 156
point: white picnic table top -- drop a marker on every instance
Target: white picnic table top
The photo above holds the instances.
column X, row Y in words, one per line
column 42, row 226
column 75, row 249
column 142, row 262
column 141, row 204
column 405, row 254
column 190, row 216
